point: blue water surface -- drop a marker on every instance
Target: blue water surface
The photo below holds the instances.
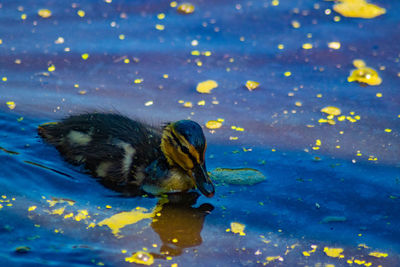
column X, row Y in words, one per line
column 342, row 193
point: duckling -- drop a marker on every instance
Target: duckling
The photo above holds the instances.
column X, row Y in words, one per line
column 132, row 156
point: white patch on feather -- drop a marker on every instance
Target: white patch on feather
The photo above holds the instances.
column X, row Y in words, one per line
column 102, row 169
column 79, row 138
column 128, row 156
column 139, row 175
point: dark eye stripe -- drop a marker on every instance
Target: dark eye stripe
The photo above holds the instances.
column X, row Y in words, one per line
column 183, row 148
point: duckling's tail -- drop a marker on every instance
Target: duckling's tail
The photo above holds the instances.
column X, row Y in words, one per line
column 48, row 131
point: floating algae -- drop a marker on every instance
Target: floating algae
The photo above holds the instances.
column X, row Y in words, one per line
column 242, row 176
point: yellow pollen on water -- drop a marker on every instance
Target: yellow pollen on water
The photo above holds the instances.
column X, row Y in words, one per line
column 160, row 27
column 251, row 85
column 331, row 110
column 44, row 13
column 358, row 9
column 11, row 104
column 334, row 45
column 237, row 228
column 51, row 68
column 334, row 252
column 141, row 257
column 81, row 13
column 186, row 8
column 213, row 124
column 206, row 86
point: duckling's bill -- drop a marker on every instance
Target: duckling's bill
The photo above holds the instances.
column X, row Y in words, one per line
column 203, row 181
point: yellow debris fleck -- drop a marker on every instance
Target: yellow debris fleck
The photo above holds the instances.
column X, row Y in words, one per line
column 85, row 56
column 295, row 24
column 174, row 265
column 318, row 142
column 273, row 258
column 331, row 110
column 55, row 201
column 233, row 138
column 358, row 9
column 141, row 257
column 334, row 45
column 206, row 86
column 32, row 208
column 359, row 262
column 298, row 104
column 237, row 228
column 44, row 13
column 81, row 13
column 149, row 103
column 121, row 36
column 195, row 53
column 201, row 103
column 10, row 104
column 4, row 79
column 307, row 46
column 199, row 63
column 69, row 215
column 160, row 27
column 379, row 95
column 91, row 225
column 23, row 16
column 165, row 76
column 275, row 2
column 281, row 46
column 194, row 43
column 122, row 219
column 127, row 61
column 287, row 73
column 185, row 8
column 378, row 254
column 51, row 68
column 251, row 85
column 306, row 254
column 59, row 211
column 349, row 118
column 188, row 104
column 140, row 80
column 82, row 214
column 334, row 252
column 108, row 206
column 213, row 124
column 365, row 75
column 161, row 16
column 173, row 4
column 207, row 53
column 175, row 240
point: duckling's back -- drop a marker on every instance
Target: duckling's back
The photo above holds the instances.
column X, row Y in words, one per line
column 111, row 146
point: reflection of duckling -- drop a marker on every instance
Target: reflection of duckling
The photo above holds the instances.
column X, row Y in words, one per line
column 131, row 156
column 179, row 224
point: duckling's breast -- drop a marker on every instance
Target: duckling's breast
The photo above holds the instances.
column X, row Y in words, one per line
column 176, row 180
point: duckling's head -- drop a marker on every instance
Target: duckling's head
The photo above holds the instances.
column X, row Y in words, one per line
column 184, row 145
